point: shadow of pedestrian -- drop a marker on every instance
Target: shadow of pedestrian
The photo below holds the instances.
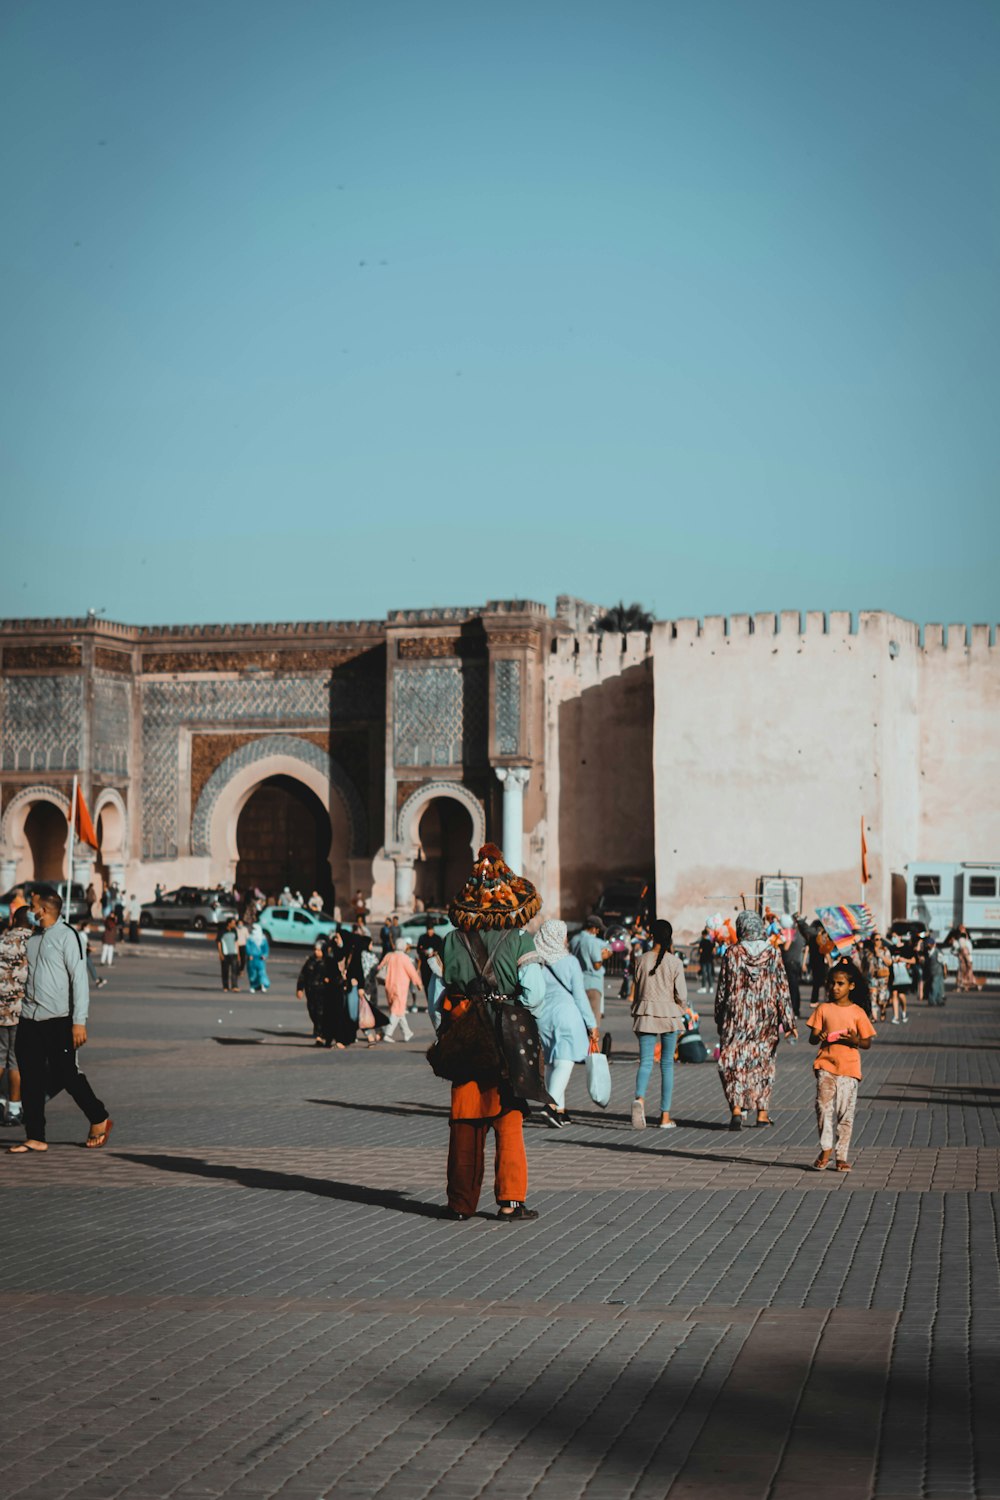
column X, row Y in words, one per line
column 432, row 1111
column 659, row 1148
column 287, row 1182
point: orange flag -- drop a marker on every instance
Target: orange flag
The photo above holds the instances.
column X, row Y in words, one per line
column 82, row 822
column 864, row 853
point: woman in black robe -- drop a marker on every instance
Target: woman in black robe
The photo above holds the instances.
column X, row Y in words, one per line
column 321, row 983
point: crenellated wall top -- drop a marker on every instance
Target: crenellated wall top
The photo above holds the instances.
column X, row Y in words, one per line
column 834, row 623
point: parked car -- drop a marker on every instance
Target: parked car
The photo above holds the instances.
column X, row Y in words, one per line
column 413, row 928
column 78, row 908
column 188, row 906
column 295, row 925
column 622, row 901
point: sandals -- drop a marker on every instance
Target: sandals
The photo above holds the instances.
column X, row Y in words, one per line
column 95, row 1142
column 821, row 1164
column 843, row 1166
column 736, row 1122
column 24, row 1147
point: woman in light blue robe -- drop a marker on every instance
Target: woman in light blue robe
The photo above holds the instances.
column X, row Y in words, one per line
column 565, row 1018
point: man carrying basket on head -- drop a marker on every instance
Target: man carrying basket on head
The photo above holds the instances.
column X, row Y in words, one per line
column 488, row 1043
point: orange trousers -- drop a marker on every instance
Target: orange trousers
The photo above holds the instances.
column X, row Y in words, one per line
column 466, row 1155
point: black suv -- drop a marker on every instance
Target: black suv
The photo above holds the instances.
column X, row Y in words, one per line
column 623, row 901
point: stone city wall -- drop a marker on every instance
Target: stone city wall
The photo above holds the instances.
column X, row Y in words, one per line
column 774, row 735
column 598, row 769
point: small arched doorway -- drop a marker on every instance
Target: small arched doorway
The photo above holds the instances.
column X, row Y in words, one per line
column 283, row 837
column 45, row 834
column 445, row 835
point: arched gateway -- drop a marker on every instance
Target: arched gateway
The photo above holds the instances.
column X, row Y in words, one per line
column 273, row 766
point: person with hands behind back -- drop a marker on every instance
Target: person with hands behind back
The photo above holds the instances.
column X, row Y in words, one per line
column 841, row 1028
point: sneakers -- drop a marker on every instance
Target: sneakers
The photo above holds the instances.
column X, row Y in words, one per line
column 553, row 1117
column 668, row 1124
column 894, row 1021
column 638, row 1115
column 517, row 1212
column 906, row 1019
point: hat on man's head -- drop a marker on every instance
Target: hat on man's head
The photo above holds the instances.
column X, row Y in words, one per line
column 494, row 896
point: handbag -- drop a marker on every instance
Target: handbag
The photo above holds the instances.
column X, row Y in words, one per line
column 900, row 975
column 353, row 1004
column 521, row 1051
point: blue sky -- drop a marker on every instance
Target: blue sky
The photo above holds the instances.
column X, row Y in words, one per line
column 313, row 310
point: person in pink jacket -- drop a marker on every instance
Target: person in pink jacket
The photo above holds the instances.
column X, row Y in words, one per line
column 400, row 973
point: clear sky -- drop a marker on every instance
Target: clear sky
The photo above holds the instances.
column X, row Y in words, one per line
column 317, row 308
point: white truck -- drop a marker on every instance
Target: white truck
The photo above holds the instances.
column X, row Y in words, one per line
column 941, row 894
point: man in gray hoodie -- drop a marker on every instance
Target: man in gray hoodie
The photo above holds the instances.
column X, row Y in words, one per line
column 53, row 1026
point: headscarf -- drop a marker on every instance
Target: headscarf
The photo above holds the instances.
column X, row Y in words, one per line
column 550, row 943
column 749, row 926
column 750, row 932
column 401, row 945
column 256, row 933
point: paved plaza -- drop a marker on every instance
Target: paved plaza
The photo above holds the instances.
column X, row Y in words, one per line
column 249, row 1294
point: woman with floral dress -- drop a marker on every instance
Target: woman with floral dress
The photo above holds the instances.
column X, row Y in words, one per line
column 752, row 1005
column 877, row 967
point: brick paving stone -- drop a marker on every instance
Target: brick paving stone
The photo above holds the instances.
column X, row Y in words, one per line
column 249, row 1294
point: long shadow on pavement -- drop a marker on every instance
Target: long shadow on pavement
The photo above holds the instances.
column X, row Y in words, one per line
column 287, row 1182
column 432, row 1111
column 702, row 1156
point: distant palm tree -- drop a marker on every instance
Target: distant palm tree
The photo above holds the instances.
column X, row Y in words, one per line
column 622, row 617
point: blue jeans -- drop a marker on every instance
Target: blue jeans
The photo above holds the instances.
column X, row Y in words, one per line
column 647, row 1045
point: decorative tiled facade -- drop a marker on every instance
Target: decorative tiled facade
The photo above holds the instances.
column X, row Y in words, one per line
column 42, row 657
column 112, row 726
column 439, row 714
column 41, row 720
column 167, row 706
column 507, row 702
column 163, row 717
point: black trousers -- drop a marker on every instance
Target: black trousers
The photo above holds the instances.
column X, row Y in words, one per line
column 230, row 970
column 46, row 1059
column 795, row 991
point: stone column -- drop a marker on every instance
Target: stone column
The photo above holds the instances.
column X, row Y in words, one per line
column 8, row 869
column 405, row 882
column 513, row 779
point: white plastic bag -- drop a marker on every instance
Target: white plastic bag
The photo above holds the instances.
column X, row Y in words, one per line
column 599, row 1079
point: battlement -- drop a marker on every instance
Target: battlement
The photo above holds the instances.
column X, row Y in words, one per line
column 145, row 634
column 459, row 614
column 842, row 624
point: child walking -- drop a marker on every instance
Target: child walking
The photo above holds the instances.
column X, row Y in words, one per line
column 841, row 1029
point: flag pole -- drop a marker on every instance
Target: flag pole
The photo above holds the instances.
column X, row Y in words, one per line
column 72, row 838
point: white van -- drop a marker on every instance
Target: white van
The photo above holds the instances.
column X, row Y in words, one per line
column 943, row 893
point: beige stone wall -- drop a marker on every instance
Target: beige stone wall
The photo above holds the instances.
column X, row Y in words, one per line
column 771, row 743
column 598, row 770
column 959, row 745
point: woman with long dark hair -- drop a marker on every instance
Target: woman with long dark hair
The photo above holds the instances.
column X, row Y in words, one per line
column 659, row 1000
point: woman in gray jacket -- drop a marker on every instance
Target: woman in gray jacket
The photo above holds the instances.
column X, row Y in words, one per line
column 659, row 1001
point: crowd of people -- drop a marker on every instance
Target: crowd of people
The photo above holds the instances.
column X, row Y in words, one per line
column 513, row 1013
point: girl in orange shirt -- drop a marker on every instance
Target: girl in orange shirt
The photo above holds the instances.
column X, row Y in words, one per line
column 842, row 1030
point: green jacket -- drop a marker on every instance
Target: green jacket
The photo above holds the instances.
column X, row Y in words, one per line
column 459, row 968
